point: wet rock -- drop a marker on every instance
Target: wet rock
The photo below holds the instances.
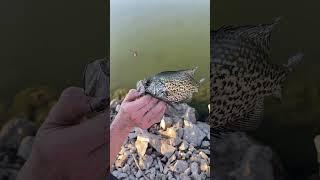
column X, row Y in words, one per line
column 25, row 147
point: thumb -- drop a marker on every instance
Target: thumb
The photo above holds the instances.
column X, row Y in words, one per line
column 71, row 107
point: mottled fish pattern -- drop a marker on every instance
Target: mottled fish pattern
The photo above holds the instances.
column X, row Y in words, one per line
column 242, row 76
column 171, row 86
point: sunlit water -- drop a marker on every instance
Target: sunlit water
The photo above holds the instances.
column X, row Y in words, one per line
column 150, row 36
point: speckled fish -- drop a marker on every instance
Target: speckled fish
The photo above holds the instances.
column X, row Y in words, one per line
column 242, row 76
column 171, row 86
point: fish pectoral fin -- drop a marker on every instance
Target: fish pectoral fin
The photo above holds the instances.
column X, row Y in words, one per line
column 251, row 120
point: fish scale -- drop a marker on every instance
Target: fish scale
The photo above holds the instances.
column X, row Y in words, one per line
column 242, row 76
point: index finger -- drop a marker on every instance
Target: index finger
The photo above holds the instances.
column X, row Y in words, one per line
column 132, row 95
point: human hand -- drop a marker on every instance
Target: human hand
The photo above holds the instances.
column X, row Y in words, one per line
column 141, row 111
column 68, row 145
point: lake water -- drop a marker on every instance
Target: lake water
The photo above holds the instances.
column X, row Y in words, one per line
column 165, row 34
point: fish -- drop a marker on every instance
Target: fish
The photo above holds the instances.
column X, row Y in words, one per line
column 242, row 75
column 172, row 87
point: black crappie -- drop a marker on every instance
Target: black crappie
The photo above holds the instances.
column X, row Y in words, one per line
column 241, row 76
column 171, row 86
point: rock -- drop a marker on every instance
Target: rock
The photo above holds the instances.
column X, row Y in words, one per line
column 157, row 143
column 190, row 115
column 114, row 103
column 203, row 165
column 160, row 164
column 203, row 155
column 121, row 160
column 139, row 174
column 196, row 177
column 175, row 141
column 192, row 134
column 184, row 177
column 145, row 162
column 207, row 151
column 184, row 146
column 25, row 147
column 122, row 175
column 118, row 108
column 132, row 135
column 188, row 171
column 239, row 157
column 180, row 166
column 169, row 133
column 141, row 147
column 14, row 131
column 194, row 167
column 205, row 127
column 166, row 122
column 167, row 150
column 205, row 144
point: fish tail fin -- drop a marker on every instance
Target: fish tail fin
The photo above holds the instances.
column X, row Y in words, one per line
column 293, row 61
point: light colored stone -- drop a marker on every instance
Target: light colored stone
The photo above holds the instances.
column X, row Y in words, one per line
column 184, row 145
column 169, row 133
column 121, row 160
column 203, row 155
column 141, row 147
column 166, row 122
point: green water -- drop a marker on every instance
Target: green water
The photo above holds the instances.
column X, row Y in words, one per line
column 167, row 35
column 289, row 128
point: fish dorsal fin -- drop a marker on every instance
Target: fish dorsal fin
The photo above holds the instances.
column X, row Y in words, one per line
column 251, row 120
column 192, row 72
column 259, row 34
column 237, row 40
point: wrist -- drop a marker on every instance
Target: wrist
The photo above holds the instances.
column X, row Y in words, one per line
column 122, row 122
